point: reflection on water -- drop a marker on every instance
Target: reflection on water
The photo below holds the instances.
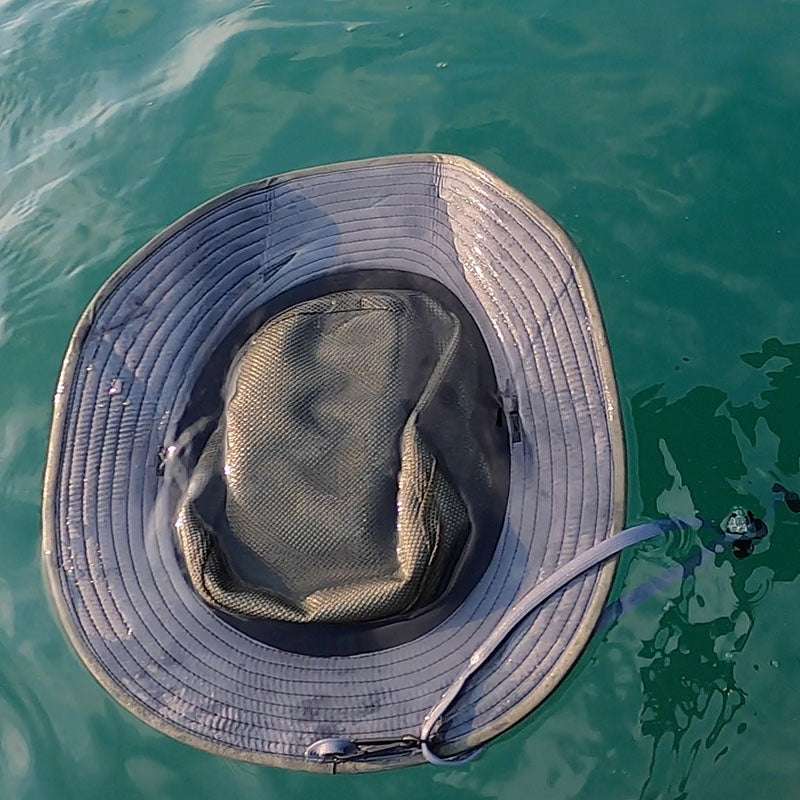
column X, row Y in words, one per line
column 691, row 676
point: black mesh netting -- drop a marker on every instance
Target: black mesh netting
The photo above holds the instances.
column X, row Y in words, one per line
column 329, row 478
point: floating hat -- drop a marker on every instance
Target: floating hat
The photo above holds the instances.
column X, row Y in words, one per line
column 313, row 442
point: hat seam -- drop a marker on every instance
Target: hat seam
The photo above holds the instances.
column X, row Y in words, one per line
column 548, row 235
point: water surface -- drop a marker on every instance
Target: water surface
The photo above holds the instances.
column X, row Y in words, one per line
column 663, row 136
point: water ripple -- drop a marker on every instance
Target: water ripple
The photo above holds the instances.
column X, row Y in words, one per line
column 662, row 136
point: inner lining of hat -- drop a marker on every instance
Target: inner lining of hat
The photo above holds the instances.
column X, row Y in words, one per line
column 348, row 465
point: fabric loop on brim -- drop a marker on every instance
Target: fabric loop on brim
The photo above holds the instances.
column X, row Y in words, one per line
column 109, row 545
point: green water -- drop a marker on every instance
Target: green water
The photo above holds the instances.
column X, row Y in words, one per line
column 665, row 136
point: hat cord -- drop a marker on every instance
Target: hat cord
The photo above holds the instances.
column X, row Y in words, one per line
column 740, row 528
column 339, row 749
column 527, row 604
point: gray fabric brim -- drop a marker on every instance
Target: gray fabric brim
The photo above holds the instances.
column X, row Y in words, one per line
column 110, row 555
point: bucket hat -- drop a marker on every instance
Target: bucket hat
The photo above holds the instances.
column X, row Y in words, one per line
column 313, row 442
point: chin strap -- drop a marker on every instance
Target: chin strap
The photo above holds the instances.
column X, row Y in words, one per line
column 740, row 528
column 530, row 602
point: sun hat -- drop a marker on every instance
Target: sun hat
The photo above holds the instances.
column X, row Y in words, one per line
column 318, row 443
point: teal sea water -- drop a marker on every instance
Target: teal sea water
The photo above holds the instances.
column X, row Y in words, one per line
column 664, row 136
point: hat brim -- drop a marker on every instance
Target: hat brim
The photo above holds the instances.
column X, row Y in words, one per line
column 113, row 569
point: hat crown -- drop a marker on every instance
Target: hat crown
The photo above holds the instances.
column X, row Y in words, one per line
column 341, row 497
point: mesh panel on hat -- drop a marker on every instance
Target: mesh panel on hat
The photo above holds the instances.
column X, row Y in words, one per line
column 330, row 490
